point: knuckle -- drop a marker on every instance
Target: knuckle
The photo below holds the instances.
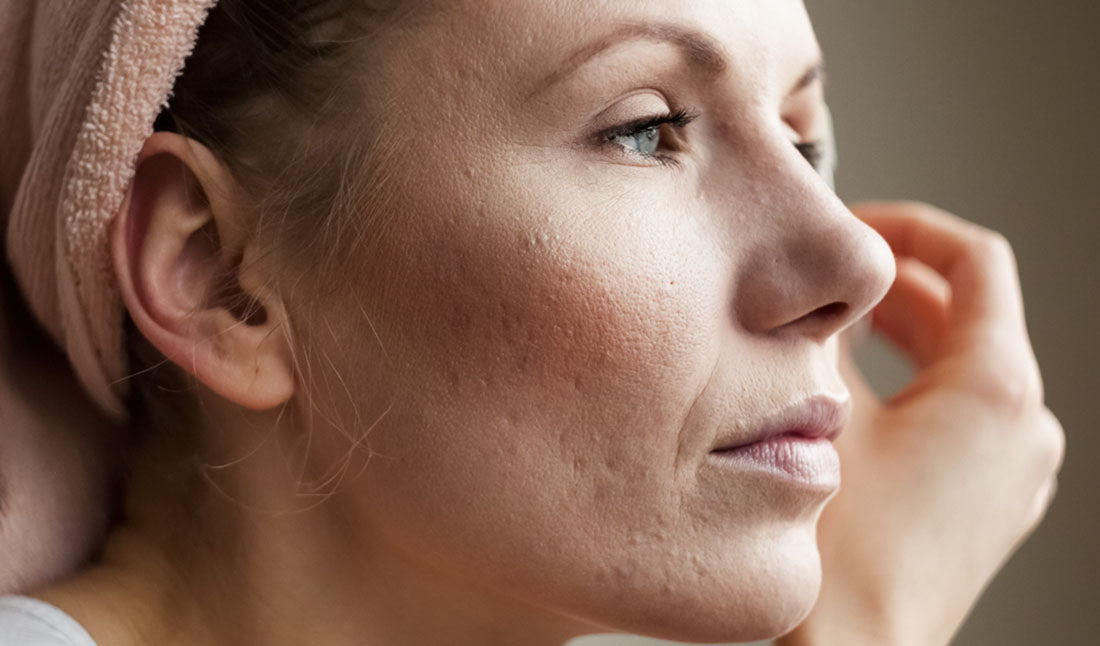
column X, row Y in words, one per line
column 1044, row 446
column 990, row 246
column 1039, row 506
column 1053, row 443
column 1011, row 385
column 926, row 213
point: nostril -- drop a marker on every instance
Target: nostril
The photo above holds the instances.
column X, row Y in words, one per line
column 831, row 312
column 821, row 321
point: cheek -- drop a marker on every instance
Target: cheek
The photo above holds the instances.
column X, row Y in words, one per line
column 541, row 370
column 567, row 343
column 559, row 321
column 536, row 373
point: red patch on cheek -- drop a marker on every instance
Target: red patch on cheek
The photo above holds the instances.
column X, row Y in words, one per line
column 573, row 337
column 532, row 325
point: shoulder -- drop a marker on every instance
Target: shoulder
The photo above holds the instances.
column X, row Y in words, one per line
column 30, row 622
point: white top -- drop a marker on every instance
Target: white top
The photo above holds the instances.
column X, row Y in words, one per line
column 30, row 622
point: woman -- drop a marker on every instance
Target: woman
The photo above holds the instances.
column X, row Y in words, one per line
column 505, row 322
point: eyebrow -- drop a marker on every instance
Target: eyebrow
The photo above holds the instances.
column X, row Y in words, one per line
column 701, row 51
column 816, row 72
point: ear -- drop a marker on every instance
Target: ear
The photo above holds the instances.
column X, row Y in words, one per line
column 181, row 253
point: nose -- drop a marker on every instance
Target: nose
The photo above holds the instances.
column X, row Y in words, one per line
column 817, row 269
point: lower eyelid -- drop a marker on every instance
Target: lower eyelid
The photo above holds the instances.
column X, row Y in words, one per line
column 647, row 159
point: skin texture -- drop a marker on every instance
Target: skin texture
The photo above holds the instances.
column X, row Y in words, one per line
column 545, row 344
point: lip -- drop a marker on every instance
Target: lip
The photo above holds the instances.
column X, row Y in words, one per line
column 795, row 445
column 813, row 418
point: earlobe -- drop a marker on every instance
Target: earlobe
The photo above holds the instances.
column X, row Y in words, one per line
column 181, row 253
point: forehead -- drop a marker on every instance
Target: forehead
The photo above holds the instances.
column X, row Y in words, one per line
column 521, row 38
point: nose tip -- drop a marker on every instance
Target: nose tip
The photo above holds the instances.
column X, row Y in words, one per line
column 816, row 280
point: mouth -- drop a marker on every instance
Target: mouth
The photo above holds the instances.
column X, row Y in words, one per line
column 820, row 417
column 795, row 445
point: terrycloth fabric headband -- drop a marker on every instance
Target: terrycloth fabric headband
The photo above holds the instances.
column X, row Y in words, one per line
column 81, row 83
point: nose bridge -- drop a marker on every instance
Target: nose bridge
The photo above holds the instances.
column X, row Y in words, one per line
column 817, row 269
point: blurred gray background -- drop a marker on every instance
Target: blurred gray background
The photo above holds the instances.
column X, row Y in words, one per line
column 991, row 109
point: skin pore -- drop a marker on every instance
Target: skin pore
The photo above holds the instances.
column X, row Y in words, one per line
column 555, row 328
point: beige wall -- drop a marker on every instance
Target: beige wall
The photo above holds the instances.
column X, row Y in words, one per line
column 992, row 109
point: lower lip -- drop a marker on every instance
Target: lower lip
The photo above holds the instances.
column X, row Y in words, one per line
column 808, row 461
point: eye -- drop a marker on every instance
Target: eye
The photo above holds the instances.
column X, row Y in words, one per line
column 647, row 137
column 813, row 152
column 643, row 141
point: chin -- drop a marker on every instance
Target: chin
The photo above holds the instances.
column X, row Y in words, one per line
column 754, row 592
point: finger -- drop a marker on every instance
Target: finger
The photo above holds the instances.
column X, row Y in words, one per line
column 1053, row 446
column 1041, row 503
column 977, row 263
column 863, row 397
column 914, row 313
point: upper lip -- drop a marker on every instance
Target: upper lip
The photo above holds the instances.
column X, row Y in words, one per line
column 818, row 416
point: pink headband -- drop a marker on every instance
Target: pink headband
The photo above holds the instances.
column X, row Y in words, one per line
column 81, row 83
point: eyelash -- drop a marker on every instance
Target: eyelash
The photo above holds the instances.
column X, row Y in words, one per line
column 678, row 119
column 812, row 151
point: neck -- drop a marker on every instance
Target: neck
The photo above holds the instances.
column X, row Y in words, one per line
column 237, row 555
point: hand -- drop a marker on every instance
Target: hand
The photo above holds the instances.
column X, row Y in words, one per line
column 944, row 480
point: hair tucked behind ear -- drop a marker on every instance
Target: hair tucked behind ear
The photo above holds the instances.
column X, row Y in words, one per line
column 272, row 89
column 275, row 89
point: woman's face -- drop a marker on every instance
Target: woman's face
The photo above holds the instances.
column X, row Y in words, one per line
column 567, row 312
